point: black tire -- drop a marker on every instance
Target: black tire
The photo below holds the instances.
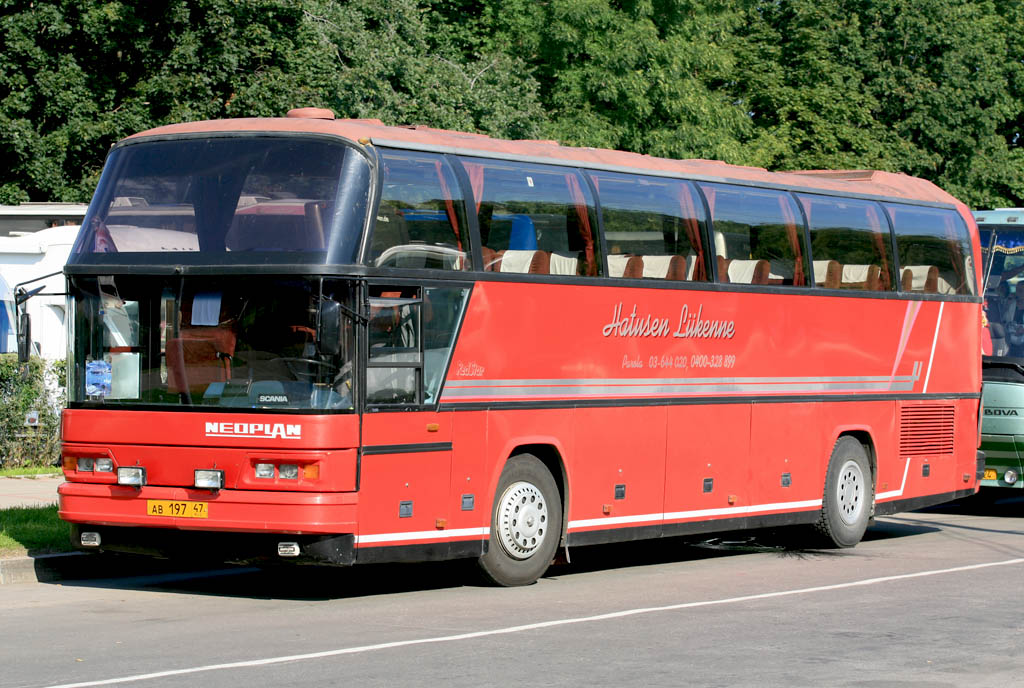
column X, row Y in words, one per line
column 526, row 523
column 849, row 495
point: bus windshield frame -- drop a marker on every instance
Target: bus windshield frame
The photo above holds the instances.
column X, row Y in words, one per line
column 242, row 199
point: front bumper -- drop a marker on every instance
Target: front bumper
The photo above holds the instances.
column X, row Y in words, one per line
column 1002, row 453
column 269, row 511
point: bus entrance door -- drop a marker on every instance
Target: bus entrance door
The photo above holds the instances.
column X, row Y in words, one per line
column 405, row 477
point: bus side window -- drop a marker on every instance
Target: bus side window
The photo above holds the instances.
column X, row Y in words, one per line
column 534, row 219
column 410, row 343
column 934, row 250
column 758, row 235
column 850, row 243
column 653, row 227
column 421, row 221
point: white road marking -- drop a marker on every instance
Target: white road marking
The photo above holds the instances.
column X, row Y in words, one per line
column 530, row 627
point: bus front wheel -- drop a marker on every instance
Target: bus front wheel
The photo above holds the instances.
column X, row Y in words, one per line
column 526, row 523
column 849, row 493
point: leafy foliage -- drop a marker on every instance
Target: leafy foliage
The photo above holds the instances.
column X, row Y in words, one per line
column 21, row 391
column 932, row 88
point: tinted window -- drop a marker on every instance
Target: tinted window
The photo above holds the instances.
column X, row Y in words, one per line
column 289, row 199
column 653, row 227
column 850, row 243
column 934, row 250
column 534, row 218
column 421, row 221
column 228, row 341
column 758, row 235
column 411, row 335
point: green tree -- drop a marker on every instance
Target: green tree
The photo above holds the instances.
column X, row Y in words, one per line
column 915, row 86
column 394, row 62
column 646, row 76
column 78, row 75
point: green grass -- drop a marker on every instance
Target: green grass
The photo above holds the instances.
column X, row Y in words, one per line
column 29, row 470
column 32, row 530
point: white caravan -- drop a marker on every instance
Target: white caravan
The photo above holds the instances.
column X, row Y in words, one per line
column 30, row 256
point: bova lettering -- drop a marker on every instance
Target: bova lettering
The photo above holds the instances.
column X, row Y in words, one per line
column 692, row 325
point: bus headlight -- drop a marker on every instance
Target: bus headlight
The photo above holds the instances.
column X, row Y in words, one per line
column 1010, row 477
column 288, row 471
column 265, row 470
column 209, row 479
column 134, row 476
column 103, row 465
column 85, row 465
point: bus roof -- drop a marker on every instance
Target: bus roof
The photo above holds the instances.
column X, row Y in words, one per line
column 322, row 122
column 1000, row 216
column 66, row 210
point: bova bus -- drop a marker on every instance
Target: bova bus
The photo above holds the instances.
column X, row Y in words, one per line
column 1002, row 425
column 344, row 342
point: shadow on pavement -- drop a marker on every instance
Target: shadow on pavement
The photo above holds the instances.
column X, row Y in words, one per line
column 325, row 583
column 991, row 501
column 331, row 583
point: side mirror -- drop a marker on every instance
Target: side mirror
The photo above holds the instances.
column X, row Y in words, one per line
column 24, row 337
column 329, row 337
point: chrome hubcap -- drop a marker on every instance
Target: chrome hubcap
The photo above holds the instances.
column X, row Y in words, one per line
column 522, row 520
column 850, row 492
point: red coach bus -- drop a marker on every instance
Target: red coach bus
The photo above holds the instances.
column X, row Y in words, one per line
column 343, row 342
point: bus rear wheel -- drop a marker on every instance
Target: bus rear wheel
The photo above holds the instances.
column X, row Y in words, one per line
column 849, row 493
column 526, row 523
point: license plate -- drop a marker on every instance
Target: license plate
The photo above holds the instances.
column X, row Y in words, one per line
column 168, row 507
column 990, row 474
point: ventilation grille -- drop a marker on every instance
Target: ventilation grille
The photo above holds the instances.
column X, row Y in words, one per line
column 927, row 430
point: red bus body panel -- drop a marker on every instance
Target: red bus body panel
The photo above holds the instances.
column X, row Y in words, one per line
column 658, row 414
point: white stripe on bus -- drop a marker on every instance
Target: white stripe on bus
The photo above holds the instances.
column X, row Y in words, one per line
column 931, row 357
column 899, row 492
column 699, row 513
column 422, row 535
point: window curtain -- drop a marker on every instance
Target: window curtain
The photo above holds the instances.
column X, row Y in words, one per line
column 795, row 241
column 885, row 277
column 692, row 227
column 449, row 204
column 580, row 203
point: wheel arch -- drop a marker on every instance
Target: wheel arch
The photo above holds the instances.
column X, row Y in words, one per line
column 552, row 457
column 863, row 436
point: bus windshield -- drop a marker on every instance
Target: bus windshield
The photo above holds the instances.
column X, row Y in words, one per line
column 1003, row 253
column 240, row 343
column 235, row 199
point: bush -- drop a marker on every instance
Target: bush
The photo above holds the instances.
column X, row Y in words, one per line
column 36, row 386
